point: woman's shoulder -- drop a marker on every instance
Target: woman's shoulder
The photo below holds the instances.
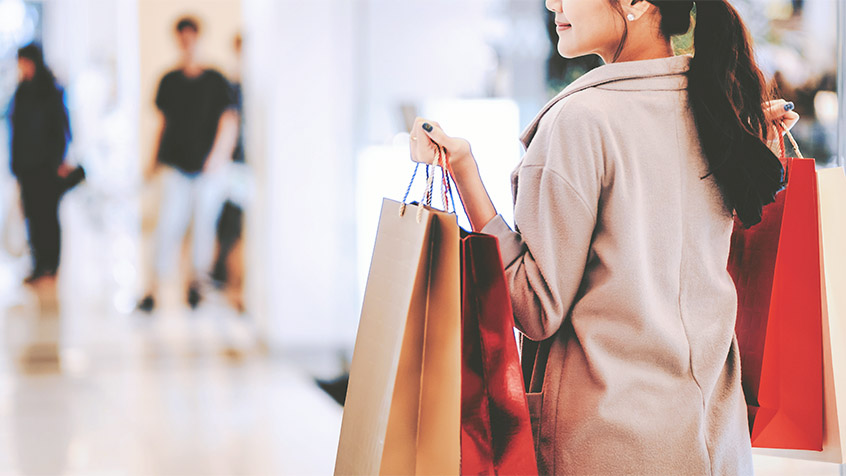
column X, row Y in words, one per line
column 577, row 115
column 570, row 139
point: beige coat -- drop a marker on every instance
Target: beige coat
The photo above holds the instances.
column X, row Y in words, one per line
column 620, row 258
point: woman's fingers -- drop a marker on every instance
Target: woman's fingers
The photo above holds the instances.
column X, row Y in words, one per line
column 775, row 103
column 775, row 110
column 427, row 136
column 456, row 149
column 436, row 133
column 423, row 150
column 790, row 119
column 781, row 111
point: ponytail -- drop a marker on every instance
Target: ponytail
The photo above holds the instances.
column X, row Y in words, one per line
column 726, row 90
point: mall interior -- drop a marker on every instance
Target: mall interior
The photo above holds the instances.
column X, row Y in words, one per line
column 234, row 382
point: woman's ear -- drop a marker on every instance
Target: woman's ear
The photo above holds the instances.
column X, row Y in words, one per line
column 635, row 9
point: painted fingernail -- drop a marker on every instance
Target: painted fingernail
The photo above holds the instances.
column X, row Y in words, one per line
column 788, row 106
column 427, row 127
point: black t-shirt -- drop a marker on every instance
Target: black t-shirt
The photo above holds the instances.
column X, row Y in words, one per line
column 192, row 108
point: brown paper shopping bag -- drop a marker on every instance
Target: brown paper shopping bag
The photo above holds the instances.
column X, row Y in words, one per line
column 831, row 186
column 402, row 413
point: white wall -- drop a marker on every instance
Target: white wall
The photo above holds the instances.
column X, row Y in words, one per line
column 93, row 44
column 299, row 96
column 421, row 50
column 323, row 81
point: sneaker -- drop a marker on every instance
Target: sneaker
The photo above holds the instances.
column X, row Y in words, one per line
column 147, row 304
column 194, row 295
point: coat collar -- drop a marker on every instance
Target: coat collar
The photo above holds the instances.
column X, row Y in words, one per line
column 650, row 74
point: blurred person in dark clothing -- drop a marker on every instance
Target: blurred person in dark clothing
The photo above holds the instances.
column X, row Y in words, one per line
column 228, row 265
column 198, row 130
column 40, row 132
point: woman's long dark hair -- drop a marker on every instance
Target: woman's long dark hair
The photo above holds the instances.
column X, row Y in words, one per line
column 43, row 80
column 727, row 91
column 43, row 98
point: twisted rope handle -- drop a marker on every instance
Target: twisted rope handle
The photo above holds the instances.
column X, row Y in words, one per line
column 408, row 190
column 444, row 180
column 440, row 161
column 446, row 185
column 430, row 185
column 781, row 127
column 449, row 181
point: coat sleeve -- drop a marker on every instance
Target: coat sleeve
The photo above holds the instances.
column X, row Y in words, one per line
column 555, row 208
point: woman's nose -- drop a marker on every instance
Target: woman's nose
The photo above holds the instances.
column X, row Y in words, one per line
column 553, row 6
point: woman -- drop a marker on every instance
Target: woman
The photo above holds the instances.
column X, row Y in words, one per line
column 623, row 207
column 40, row 132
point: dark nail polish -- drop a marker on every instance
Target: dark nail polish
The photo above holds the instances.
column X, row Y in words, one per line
column 788, row 107
column 427, row 127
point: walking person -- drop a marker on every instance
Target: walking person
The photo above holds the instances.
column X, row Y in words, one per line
column 40, row 132
column 227, row 271
column 623, row 208
column 198, row 131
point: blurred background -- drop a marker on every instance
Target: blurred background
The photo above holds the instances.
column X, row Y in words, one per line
column 199, row 339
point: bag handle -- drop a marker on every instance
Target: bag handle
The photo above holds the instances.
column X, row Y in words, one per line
column 446, row 187
column 782, row 131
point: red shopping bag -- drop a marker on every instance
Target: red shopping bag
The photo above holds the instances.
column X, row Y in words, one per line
column 776, row 270
column 496, row 432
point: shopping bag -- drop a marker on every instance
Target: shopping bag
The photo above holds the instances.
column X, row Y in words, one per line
column 776, row 270
column 403, row 408
column 752, row 259
column 832, row 196
column 831, row 185
column 496, row 431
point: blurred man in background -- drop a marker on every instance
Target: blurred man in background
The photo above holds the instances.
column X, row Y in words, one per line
column 198, row 132
column 40, row 132
column 228, row 269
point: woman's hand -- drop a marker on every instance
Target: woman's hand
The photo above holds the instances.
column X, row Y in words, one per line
column 781, row 110
column 64, row 170
column 425, row 137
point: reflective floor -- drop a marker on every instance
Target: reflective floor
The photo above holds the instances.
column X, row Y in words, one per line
column 187, row 393
column 89, row 387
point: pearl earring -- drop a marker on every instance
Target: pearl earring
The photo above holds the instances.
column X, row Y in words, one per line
column 630, row 16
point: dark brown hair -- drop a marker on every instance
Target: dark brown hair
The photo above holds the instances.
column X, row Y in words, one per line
column 726, row 90
column 44, row 80
column 188, row 23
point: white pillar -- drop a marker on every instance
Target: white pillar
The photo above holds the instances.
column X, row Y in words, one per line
column 299, row 101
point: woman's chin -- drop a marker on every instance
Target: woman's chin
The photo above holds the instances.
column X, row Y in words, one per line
column 567, row 52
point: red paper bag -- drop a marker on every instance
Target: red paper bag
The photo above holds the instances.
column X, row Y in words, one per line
column 496, row 432
column 776, row 269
